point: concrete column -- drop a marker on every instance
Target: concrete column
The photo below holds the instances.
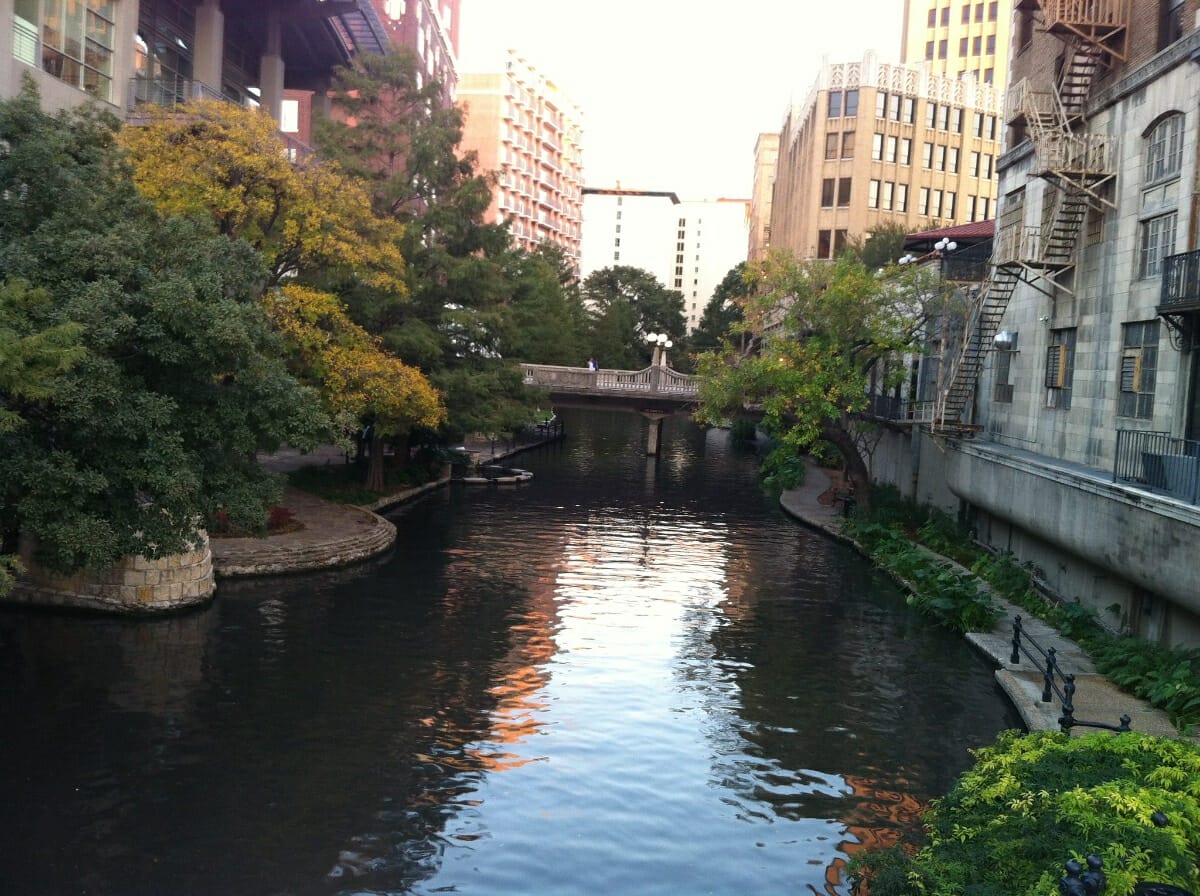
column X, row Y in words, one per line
column 654, row 434
column 210, row 45
column 270, row 67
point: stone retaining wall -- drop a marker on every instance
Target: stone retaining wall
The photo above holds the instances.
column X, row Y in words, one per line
column 367, row 536
column 132, row 585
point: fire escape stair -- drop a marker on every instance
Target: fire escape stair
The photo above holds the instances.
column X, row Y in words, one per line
column 992, row 302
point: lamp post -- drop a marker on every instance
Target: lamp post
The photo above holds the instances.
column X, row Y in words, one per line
column 660, row 343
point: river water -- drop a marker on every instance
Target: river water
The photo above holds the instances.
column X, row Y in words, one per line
column 628, row 676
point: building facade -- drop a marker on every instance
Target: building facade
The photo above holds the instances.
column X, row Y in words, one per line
column 527, row 130
column 710, row 240
column 959, row 38
column 875, row 144
column 766, row 160
column 430, row 29
column 1084, row 393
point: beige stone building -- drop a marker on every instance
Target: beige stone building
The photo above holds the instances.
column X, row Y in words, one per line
column 876, row 143
column 530, row 133
column 766, row 159
column 959, row 38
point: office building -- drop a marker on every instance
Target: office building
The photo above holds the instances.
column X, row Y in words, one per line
column 960, row 39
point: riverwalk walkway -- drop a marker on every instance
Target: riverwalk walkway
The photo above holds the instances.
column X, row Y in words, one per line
column 1096, row 698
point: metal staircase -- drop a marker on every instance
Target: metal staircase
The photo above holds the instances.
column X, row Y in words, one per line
column 1077, row 164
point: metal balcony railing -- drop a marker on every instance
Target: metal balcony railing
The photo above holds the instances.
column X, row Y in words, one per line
column 1181, row 282
column 1158, row 462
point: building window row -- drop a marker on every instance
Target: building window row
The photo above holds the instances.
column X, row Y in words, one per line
column 835, row 190
column 888, row 148
column 839, row 145
column 896, row 106
column 933, row 203
column 831, row 243
column 843, row 103
column 942, row 15
column 937, row 157
column 887, row 196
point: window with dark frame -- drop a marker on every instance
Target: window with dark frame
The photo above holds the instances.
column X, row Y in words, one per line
column 1060, row 368
column 1002, row 389
column 1139, row 363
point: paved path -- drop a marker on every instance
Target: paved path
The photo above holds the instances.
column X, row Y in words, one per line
column 1096, row 698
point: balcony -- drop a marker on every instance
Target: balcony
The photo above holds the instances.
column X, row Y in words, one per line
column 1159, row 463
column 1180, row 283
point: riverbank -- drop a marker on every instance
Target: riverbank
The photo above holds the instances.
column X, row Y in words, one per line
column 330, row 535
column 1096, row 698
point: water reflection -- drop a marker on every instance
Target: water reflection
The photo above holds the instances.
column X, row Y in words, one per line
column 628, row 675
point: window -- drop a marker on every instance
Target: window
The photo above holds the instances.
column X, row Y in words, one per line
column 989, row 75
column 945, row 16
column 835, row 104
column 973, row 164
column 885, row 199
column 932, row 17
column 851, row 104
column 971, row 208
column 1158, row 241
column 991, row 45
column 991, row 119
column 978, row 124
column 910, row 110
column 827, row 188
column 1164, row 149
column 831, row 145
column 877, row 147
column 943, row 48
column 929, row 49
column 848, row 144
column 977, row 45
column 873, row 194
column 1060, row 368
column 935, row 206
column 927, row 156
column 901, row 197
column 962, row 46
column 1139, row 361
column 930, row 114
column 77, row 41
column 894, row 108
column 1002, row 390
column 830, row 242
column 843, row 192
column 939, row 158
column 956, row 117
column 993, row 9
column 1170, row 22
column 890, row 156
column 905, row 154
column 984, row 207
column 943, row 118
column 880, row 104
column 951, row 197
column 987, row 166
column 923, row 202
column 966, row 14
column 952, row 160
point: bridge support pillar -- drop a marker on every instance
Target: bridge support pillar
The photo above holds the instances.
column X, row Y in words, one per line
column 654, row 436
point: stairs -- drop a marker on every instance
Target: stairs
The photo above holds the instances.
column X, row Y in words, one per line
column 982, row 325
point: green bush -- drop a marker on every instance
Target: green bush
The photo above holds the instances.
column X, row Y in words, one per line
column 1031, row 802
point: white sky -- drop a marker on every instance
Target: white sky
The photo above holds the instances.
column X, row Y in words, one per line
column 675, row 92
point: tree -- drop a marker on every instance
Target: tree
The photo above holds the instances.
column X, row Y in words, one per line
column 836, row 322
column 883, row 245
column 723, row 312
column 175, row 377
column 227, row 165
column 357, row 380
column 625, row 305
column 395, row 134
column 546, row 317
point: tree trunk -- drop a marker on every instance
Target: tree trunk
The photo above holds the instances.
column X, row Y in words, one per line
column 856, row 468
column 374, row 481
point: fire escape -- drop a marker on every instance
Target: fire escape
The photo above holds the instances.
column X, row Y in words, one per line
column 1077, row 165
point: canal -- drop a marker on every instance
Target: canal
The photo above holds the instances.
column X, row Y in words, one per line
column 627, row 676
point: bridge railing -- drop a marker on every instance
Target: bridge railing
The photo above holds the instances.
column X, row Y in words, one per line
column 661, row 380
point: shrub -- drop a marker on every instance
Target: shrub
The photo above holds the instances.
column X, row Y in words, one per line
column 1031, row 802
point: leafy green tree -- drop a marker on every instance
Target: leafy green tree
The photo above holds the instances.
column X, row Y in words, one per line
column 834, row 324
column 723, row 312
column 176, row 377
column 395, row 134
column 883, row 245
column 546, row 317
column 625, row 305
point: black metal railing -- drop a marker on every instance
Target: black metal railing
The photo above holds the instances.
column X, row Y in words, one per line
column 1055, row 681
column 1159, row 462
column 1181, row 281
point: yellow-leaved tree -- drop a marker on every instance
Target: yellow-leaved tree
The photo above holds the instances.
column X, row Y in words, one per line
column 229, row 165
column 357, row 378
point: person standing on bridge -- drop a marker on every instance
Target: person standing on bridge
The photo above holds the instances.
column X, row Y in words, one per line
column 592, row 365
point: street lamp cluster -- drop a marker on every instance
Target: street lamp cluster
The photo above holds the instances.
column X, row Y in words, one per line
column 660, row 342
column 941, row 247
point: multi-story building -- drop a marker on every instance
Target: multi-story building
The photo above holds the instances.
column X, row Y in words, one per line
column 875, row 144
column 430, row 29
column 168, row 51
column 527, row 130
column 1081, row 374
column 688, row 246
column 766, row 160
column 963, row 38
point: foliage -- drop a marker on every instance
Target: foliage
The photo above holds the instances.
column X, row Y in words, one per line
column 176, row 377
column 546, row 323
column 883, row 245
column 343, row 484
column 1031, row 802
column 723, row 312
column 743, row 432
column 625, row 305
column 228, row 165
column 831, row 325
column 392, row 130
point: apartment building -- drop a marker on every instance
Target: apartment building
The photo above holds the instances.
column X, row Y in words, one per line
column 430, row 29
column 710, row 240
column 1070, row 430
column 529, row 132
column 959, row 38
column 877, row 143
column 766, row 160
